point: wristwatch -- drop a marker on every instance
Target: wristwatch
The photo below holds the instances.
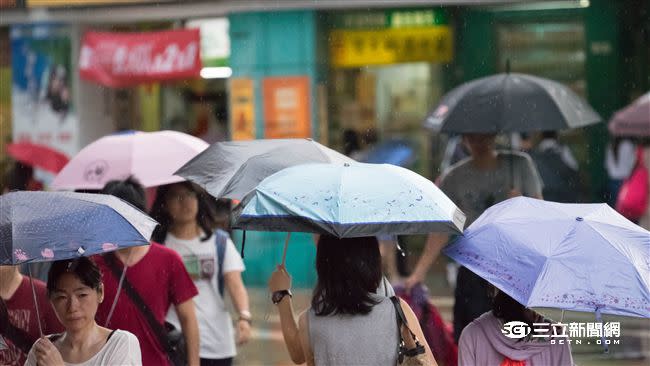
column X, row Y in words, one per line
column 279, row 295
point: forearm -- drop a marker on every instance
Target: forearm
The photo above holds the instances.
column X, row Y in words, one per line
column 387, row 251
column 289, row 325
column 431, row 251
column 237, row 291
column 190, row 329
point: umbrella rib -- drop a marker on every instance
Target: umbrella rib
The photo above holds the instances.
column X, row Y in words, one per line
column 503, row 101
column 536, row 281
column 225, row 187
column 623, row 254
column 325, row 157
column 538, row 84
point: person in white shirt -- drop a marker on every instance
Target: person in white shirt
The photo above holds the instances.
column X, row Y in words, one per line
column 620, row 159
column 187, row 223
column 75, row 290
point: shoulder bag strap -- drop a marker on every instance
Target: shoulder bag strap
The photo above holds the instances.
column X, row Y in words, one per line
column 221, row 239
column 401, row 318
column 156, row 327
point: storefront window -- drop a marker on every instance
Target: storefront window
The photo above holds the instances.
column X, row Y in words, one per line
column 553, row 50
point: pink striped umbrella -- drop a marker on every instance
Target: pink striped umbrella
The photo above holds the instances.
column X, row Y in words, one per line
column 151, row 157
column 633, row 120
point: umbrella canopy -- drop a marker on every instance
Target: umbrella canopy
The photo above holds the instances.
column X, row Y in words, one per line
column 396, row 152
column 633, row 120
column 38, row 156
column 510, row 102
column 348, row 200
column 580, row 257
column 232, row 169
column 48, row 226
column 151, row 157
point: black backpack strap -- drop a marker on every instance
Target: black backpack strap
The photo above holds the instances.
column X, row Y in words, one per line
column 158, row 329
column 221, row 240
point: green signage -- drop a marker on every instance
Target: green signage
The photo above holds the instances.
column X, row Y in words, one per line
column 391, row 18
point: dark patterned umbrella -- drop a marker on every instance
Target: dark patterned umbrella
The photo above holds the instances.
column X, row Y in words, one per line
column 49, row 226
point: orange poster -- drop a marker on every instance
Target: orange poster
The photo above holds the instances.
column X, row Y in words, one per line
column 242, row 109
column 286, row 107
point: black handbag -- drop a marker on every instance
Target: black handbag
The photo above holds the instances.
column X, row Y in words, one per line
column 171, row 339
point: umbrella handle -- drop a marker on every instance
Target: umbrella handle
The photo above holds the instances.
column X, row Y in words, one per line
column 38, row 315
column 119, row 289
column 599, row 319
column 286, row 245
column 512, row 162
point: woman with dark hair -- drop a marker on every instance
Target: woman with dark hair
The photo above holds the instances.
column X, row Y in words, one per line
column 483, row 342
column 75, row 290
column 349, row 321
column 187, row 225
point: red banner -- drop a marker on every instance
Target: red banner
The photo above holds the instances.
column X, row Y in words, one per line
column 126, row 59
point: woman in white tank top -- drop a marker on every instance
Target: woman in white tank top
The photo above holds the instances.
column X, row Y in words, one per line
column 75, row 290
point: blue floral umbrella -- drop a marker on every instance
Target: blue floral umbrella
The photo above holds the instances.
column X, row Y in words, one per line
column 348, row 200
column 49, row 226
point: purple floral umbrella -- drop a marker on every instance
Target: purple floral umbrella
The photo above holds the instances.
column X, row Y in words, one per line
column 577, row 257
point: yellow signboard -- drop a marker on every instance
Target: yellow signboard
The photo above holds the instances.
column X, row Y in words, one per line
column 354, row 48
column 242, row 109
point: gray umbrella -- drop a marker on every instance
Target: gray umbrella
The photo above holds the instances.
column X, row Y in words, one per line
column 232, row 169
column 510, row 102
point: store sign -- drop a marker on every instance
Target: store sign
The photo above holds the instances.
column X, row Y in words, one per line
column 354, row 48
column 126, row 59
column 215, row 40
column 415, row 18
column 286, row 107
column 242, row 109
column 68, row 3
column 396, row 18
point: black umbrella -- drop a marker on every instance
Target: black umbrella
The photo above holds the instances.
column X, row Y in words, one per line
column 510, row 102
